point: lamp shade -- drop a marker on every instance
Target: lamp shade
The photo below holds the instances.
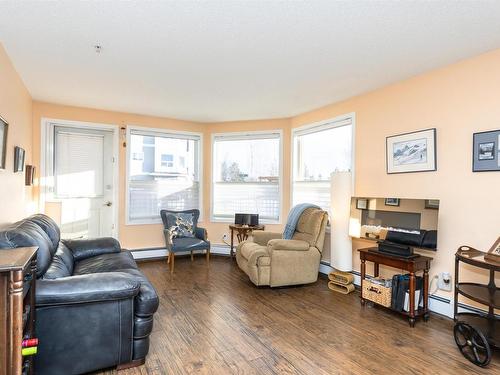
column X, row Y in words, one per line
column 341, row 245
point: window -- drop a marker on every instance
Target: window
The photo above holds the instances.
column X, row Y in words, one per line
column 246, row 175
column 317, row 152
column 163, row 173
column 167, row 160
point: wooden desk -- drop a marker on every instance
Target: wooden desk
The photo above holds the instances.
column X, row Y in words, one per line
column 242, row 232
column 411, row 265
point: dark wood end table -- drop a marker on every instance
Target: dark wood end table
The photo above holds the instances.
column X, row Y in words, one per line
column 242, row 233
column 411, row 265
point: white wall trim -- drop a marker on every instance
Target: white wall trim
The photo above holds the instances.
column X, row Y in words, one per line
column 162, row 252
column 161, row 131
column 47, row 145
column 242, row 135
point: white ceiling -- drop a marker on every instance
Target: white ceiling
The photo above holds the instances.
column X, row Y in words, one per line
column 234, row 60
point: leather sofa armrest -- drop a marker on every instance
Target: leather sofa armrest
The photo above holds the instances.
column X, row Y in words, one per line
column 83, row 249
column 200, row 233
column 288, row 245
column 107, row 286
column 262, row 237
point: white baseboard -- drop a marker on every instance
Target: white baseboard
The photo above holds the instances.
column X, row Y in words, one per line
column 162, row 252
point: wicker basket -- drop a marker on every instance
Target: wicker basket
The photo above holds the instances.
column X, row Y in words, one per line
column 376, row 293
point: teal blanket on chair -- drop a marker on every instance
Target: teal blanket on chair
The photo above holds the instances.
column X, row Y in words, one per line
column 293, row 218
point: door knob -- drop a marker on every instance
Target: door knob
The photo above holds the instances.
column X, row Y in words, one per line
column 108, row 204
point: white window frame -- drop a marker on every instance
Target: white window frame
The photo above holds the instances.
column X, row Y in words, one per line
column 161, row 132
column 323, row 125
column 47, row 126
column 242, row 136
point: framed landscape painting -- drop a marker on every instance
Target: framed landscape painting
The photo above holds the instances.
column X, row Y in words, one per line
column 411, row 152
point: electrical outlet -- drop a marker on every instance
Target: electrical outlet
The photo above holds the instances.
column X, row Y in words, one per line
column 444, row 281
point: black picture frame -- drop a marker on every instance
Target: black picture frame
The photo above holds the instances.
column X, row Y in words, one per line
column 362, row 203
column 432, row 204
column 4, row 131
column 19, row 155
column 430, row 165
column 486, row 151
column 392, row 202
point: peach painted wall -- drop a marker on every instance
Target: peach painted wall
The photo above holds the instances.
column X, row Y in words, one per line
column 457, row 100
column 15, row 108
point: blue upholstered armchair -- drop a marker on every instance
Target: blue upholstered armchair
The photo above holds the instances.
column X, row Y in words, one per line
column 182, row 234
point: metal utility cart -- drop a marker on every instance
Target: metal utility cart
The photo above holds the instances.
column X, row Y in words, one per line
column 477, row 333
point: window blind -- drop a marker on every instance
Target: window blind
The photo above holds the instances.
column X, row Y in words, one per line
column 78, row 165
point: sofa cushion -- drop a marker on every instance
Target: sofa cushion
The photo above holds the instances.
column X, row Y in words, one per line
column 309, row 226
column 264, row 261
column 180, row 223
column 49, row 226
column 105, row 263
column 26, row 233
column 61, row 265
column 188, row 244
column 248, row 248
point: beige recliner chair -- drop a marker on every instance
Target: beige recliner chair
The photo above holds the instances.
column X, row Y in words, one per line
column 270, row 260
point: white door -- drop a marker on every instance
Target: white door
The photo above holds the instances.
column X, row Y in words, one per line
column 83, row 181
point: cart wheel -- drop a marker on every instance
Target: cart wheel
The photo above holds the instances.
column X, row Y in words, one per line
column 472, row 344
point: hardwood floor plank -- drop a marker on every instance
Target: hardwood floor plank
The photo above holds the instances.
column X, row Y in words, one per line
column 213, row 320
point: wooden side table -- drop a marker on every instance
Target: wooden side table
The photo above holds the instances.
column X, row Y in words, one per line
column 17, row 308
column 242, row 233
column 412, row 265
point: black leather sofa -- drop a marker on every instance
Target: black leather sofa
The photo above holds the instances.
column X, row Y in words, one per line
column 94, row 308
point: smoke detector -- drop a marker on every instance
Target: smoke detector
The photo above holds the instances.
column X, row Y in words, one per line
column 98, row 48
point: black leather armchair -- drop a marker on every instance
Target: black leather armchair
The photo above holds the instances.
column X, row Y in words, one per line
column 94, row 307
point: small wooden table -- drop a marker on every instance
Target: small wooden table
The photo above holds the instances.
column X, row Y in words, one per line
column 412, row 265
column 17, row 308
column 242, row 232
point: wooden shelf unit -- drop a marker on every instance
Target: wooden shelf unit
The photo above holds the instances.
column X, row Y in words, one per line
column 17, row 308
column 485, row 294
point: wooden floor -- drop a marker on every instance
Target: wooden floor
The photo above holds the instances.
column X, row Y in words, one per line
column 214, row 321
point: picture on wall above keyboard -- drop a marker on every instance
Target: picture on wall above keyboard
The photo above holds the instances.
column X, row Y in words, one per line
column 413, row 222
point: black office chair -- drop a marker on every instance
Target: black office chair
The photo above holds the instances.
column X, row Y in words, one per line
column 182, row 234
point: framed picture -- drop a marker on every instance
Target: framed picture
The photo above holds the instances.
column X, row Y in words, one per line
column 432, row 204
column 486, row 151
column 411, row 152
column 392, row 202
column 29, row 176
column 18, row 159
column 4, row 127
column 361, row 203
column 494, row 252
